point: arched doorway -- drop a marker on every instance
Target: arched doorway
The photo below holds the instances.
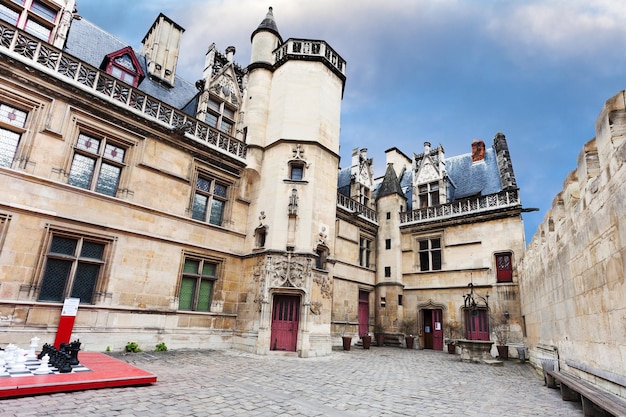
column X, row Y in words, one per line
column 285, row 320
column 433, row 328
column 431, row 325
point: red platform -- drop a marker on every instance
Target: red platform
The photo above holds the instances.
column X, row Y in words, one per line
column 106, row 372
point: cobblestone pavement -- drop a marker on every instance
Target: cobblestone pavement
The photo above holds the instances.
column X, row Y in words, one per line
column 376, row 382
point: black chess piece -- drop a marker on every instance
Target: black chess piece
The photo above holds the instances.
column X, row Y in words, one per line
column 45, row 350
column 74, row 348
column 64, row 366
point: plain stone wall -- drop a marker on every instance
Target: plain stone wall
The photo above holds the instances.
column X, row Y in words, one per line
column 572, row 274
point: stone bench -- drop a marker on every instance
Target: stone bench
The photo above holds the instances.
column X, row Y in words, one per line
column 595, row 401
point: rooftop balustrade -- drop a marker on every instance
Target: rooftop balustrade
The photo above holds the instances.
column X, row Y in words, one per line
column 311, row 48
column 33, row 52
column 356, row 208
column 468, row 206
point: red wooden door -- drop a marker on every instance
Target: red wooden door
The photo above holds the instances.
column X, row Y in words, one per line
column 285, row 319
column 477, row 324
column 364, row 313
column 437, row 330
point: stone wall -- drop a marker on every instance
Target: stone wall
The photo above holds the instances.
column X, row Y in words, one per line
column 572, row 274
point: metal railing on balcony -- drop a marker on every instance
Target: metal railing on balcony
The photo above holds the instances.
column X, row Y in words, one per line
column 305, row 47
column 356, row 208
column 464, row 207
column 32, row 51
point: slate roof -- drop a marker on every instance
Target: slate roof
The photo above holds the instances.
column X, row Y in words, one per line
column 467, row 178
column 343, row 181
column 268, row 24
column 390, row 184
column 91, row 44
column 474, row 178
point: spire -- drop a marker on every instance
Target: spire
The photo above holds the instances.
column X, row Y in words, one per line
column 268, row 24
column 390, row 184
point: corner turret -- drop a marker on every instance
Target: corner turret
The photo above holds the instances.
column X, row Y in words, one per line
column 265, row 39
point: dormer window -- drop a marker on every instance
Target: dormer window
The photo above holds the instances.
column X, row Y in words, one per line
column 428, row 194
column 220, row 116
column 124, row 66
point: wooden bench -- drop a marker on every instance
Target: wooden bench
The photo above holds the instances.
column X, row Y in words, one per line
column 595, row 401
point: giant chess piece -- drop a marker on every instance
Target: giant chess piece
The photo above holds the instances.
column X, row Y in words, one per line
column 32, row 348
column 44, row 368
column 64, row 365
column 20, row 361
column 74, row 348
column 3, row 371
column 45, row 350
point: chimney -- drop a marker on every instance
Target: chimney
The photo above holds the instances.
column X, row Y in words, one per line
column 230, row 53
column 478, row 150
column 426, row 148
column 161, row 47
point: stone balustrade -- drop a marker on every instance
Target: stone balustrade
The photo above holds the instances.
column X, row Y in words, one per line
column 20, row 46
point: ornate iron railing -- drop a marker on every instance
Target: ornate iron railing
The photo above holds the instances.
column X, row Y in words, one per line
column 464, row 207
column 305, row 47
column 356, row 208
column 25, row 48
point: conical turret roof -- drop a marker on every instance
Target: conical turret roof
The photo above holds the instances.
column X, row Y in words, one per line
column 268, row 24
column 390, row 184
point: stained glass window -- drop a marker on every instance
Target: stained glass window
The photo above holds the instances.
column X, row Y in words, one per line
column 100, row 159
column 9, row 139
column 209, row 201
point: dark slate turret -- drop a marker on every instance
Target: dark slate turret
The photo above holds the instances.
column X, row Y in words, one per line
column 268, row 24
column 390, row 184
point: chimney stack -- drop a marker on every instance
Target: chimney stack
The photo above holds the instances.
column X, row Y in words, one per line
column 161, row 46
column 478, row 150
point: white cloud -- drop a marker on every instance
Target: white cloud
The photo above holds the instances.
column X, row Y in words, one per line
column 559, row 30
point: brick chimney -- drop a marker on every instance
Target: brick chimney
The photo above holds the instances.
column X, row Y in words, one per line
column 161, row 46
column 478, row 150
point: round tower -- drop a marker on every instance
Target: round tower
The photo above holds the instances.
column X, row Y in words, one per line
column 265, row 39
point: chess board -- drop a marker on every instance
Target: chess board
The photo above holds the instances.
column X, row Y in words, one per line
column 33, row 364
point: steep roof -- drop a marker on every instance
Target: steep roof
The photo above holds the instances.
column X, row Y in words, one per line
column 268, row 24
column 91, row 44
column 474, row 178
column 390, row 184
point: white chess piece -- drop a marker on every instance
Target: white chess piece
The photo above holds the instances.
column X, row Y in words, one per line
column 33, row 348
column 20, row 361
column 9, row 355
column 43, row 367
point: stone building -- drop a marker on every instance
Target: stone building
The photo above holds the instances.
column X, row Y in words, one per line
column 213, row 214
column 572, row 274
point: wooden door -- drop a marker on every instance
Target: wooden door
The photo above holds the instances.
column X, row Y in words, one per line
column 364, row 313
column 427, row 325
column 285, row 317
column 477, row 324
column 437, row 329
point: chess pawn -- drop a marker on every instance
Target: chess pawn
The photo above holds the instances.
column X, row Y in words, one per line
column 20, row 361
column 43, row 368
column 33, row 347
column 10, row 354
column 64, row 367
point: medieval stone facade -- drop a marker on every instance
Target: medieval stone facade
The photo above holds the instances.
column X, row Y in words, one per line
column 213, row 214
column 572, row 274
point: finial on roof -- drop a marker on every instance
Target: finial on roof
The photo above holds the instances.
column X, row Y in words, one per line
column 269, row 24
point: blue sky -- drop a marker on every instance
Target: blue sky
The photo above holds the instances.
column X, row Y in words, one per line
column 443, row 71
